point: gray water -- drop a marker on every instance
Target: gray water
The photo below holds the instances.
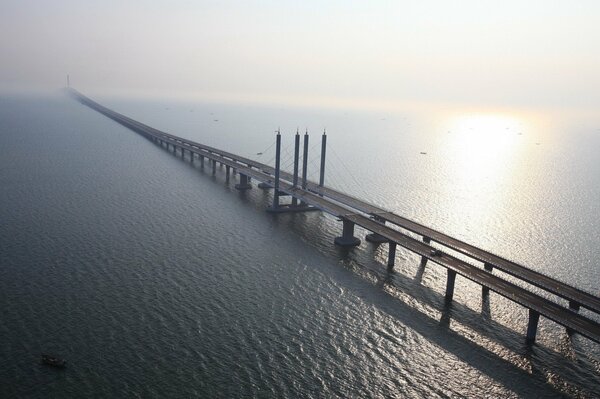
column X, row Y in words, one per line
column 154, row 278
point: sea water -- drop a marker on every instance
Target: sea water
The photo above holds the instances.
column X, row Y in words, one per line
column 154, row 278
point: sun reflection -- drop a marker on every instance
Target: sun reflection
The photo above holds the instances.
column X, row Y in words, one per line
column 482, row 153
column 483, row 146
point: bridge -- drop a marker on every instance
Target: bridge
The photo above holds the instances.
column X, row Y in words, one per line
column 385, row 227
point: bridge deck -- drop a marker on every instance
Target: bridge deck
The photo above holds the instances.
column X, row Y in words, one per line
column 530, row 276
column 354, row 210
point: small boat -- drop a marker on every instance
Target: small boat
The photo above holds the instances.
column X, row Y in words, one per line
column 423, row 153
column 54, row 361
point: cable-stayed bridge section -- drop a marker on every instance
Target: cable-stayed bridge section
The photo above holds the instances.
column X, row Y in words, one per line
column 385, row 227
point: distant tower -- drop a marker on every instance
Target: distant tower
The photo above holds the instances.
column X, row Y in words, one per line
column 68, row 83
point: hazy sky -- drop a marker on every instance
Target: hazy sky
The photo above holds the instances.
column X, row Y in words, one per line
column 498, row 53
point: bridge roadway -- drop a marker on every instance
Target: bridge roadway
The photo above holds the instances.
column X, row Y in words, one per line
column 574, row 295
column 321, row 198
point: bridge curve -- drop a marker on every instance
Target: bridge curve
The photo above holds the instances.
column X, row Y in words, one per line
column 353, row 211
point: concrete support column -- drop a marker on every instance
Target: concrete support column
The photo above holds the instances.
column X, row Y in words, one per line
column 451, row 278
column 391, row 254
column 296, row 159
column 347, row 238
column 214, row 167
column 277, row 167
column 192, row 156
column 227, row 172
column 243, row 184
column 488, row 268
column 426, row 240
column 182, row 152
column 323, row 149
column 534, row 318
column 305, row 160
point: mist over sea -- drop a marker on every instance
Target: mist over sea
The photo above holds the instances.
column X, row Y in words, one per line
column 155, row 279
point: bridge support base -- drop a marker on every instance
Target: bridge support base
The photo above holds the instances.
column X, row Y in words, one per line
column 347, row 238
column 391, row 255
column 451, row 278
column 244, row 184
column 534, row 318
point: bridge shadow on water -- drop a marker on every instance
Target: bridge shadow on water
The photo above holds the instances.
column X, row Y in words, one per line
column 526, row 370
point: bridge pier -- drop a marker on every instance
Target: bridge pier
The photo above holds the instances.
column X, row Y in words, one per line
column 426, row 240
column 391, row 255
column 322, row 171
column 296, row 159
column 227, row 172
column 532, row 325
column 214, row 167
column 294, row 206
column 304, row 163
column 374, row 237
column 347, row 238
column 243, row 184
column 450, row 279
column 574, row 306
column 275, row 205
column 488, row 268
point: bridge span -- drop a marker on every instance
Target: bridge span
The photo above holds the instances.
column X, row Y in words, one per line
column 386, row 227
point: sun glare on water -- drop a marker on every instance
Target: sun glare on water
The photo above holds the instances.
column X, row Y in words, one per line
column 482, row 154
column 483, row 146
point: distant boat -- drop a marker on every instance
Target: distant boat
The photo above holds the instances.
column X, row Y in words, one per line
column 423, row 153
column 54, row 361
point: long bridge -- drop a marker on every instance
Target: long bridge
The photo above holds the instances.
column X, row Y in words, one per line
column 385, row 227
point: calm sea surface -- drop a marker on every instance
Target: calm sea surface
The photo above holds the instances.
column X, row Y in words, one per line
column 155, row 279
